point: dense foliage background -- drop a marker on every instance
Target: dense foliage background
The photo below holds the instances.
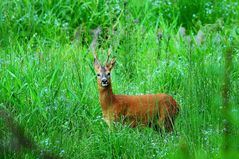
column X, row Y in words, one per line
column 184, row 48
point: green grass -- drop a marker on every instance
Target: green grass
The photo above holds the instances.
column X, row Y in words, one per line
column 48, row 84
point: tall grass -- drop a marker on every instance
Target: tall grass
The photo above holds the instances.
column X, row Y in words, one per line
column 48, row 84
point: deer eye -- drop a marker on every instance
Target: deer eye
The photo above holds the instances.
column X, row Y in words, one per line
column 108, row 74
column 98, row 75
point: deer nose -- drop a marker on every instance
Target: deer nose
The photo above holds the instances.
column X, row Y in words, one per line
column 104, row 81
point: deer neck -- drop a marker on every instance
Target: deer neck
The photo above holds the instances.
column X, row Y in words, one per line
column 106, row 97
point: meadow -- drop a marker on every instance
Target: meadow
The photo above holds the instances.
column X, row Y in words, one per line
column 189, row 50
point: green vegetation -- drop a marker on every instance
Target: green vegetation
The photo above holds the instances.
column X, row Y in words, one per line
column 48, row 84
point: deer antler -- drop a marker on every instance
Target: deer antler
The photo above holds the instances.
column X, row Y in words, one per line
column 93, row 44
column 108, row 55
column 94, row 54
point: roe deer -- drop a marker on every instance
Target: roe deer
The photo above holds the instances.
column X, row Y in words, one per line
column 153, row 110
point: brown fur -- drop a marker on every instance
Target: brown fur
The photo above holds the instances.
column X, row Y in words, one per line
column 153, row 110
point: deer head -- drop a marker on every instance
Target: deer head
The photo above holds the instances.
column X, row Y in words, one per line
column 103, row 72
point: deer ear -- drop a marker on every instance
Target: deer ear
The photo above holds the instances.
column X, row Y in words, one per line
column 111, row 64
column 96, row 64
